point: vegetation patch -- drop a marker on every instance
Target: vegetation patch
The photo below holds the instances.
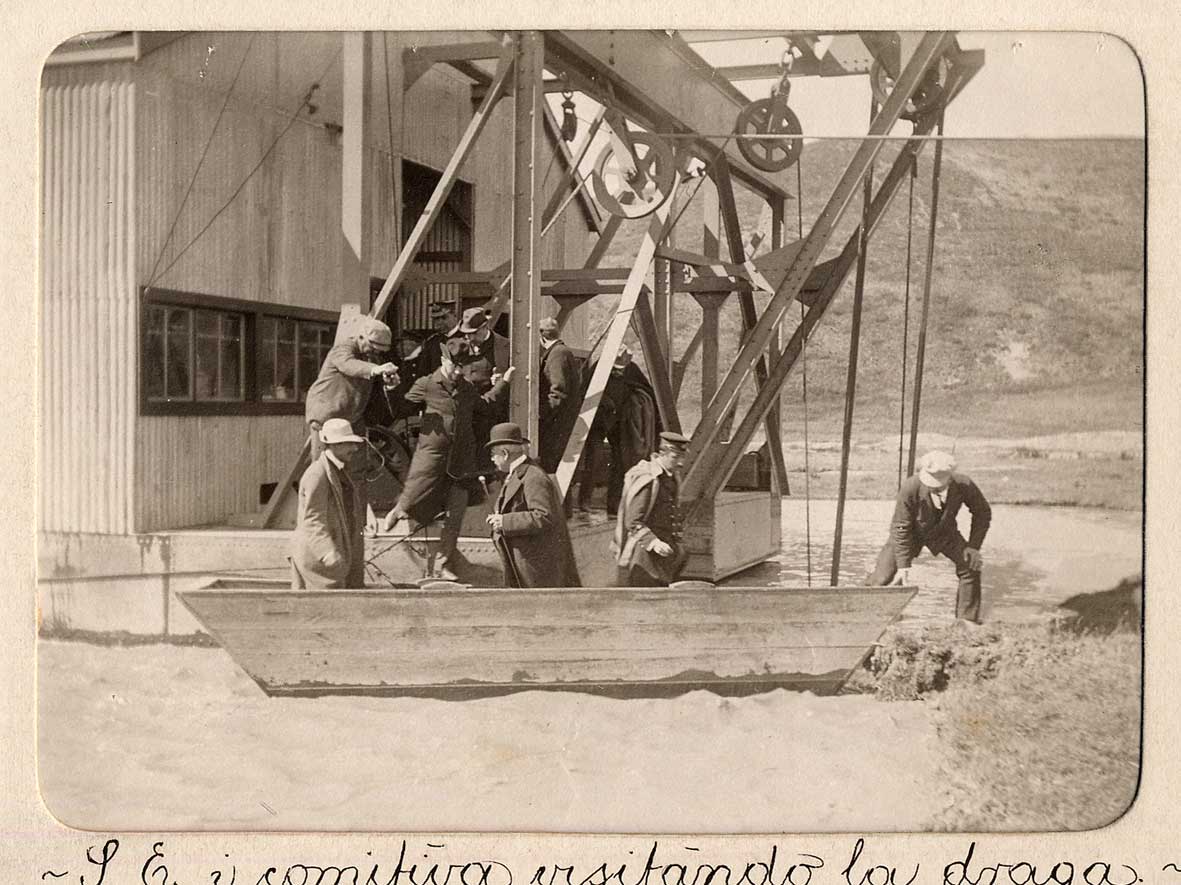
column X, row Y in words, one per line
column 1040, row 722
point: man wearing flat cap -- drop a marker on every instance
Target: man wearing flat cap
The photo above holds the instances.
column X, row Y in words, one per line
column 342, row 388
column 328, row 547
column 444, row 470
column 560, row 386
column 528, row 523
column 925, row 516
column 648, row 529
column 427, row 357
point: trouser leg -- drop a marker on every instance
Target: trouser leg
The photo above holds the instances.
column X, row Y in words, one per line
column 638, row 577
column 968, row 593
column 453, row 523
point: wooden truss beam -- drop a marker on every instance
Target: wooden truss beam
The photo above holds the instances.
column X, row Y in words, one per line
column 701, row 465
column 706, row 483
column 417, row 60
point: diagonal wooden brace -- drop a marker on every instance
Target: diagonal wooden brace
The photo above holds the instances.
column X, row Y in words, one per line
column 614, row 340
column 645, row 326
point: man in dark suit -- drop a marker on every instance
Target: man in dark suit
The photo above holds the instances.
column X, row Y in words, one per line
column 925, row 516
column 444, row 467
column 560, row 387
column 528, row 524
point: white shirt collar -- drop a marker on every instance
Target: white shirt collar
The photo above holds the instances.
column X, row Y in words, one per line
column 547, row 343
column 331, row 456
column 521, row 459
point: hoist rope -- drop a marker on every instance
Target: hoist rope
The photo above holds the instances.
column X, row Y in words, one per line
column 906, row 316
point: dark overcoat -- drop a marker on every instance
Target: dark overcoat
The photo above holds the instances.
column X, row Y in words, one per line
column 561, row 396
column 446, row 450
column 917, row 522
column 328, row 546
column 534, row 541
column 649, row 510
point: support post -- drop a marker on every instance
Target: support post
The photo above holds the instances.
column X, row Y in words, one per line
column 851, row 376
column 778, row 219
column 920, row 356
column 355, row 185
column 528, row 95
column 666, row 401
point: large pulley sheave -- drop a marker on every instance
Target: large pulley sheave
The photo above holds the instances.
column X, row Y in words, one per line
column 770, row 116
column 928, row 96
column 633, row 175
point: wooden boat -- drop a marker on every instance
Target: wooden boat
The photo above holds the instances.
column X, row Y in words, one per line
column 456, row 642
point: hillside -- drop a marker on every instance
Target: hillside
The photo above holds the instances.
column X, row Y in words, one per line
column 1037, row 300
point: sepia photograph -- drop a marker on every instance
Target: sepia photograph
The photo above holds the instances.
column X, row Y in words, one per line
column 591, row 431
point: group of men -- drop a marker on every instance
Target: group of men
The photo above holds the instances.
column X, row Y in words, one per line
column 464, row 392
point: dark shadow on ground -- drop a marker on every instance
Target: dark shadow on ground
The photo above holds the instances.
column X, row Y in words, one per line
column 1105, row 611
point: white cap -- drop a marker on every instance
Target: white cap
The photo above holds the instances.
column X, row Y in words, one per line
column 935, row 469
column 338, row 430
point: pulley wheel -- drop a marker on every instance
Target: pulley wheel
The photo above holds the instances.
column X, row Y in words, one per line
column 634, row 195
column 926, row 98
column 769, row 116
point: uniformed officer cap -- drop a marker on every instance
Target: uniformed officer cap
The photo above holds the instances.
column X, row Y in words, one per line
column 677, row 442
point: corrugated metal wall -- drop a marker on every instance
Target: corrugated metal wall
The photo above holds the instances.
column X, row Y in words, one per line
column 88, row 312
column 121, row 145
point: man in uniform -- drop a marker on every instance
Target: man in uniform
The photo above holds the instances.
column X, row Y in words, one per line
column 528, row 525
column 648, row 528
column 925, row 515
column 342, row 388
column 444, row 470
column 328, row 548
column 560, row 386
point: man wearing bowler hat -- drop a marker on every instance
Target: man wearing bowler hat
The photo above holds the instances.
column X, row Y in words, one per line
column 648, row 529
column 528, row 523
column 925, row 515
column 328, row 547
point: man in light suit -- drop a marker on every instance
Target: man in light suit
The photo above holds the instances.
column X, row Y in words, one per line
column 925, row 516
column 528, row 523
column 328, row 543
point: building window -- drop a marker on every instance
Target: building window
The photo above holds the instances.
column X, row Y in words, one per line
column 290, row 355
column 206, row 355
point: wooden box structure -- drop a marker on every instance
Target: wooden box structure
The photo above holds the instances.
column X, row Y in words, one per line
column 460, row 642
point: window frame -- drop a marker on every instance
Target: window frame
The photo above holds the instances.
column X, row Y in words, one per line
column 252, row 313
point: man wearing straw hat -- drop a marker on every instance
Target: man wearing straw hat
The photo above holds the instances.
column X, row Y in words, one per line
column 528, row 523
column 328, row 547
column 925, row 516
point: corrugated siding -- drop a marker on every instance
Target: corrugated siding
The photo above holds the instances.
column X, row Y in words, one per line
column 88, row 315
column 206, row 468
